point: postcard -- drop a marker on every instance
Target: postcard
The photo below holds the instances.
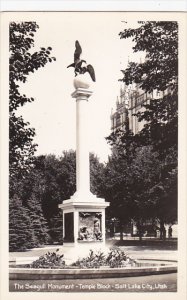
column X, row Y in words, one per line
column 93, row 153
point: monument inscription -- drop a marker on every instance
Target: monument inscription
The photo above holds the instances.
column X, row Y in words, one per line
column 90, row 228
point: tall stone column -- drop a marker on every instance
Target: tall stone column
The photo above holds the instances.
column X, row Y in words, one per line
column 82, row 137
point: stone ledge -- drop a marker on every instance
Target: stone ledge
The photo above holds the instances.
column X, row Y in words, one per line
column 37, row 274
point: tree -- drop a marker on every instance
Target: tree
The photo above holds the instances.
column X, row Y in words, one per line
column 159, row 71
column 42, row 193
column 130, row 173
column 39, row 223
column 52, row 180
column 59, row 175
column 21, row 235
column 159, row 41
column 117, row 181
column 23, row 61
column 27, row 197
column 96, row 175
column 161, row 127
column 30, row 229
column 27, row 226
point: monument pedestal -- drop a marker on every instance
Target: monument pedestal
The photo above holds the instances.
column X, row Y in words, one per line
column 83, row 213
column 84, row 225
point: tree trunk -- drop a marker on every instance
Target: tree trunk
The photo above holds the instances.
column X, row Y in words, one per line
column 161, row 229
column 139, row 225
column 121, row 232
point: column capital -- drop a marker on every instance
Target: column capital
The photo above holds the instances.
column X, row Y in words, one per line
column 81, row 93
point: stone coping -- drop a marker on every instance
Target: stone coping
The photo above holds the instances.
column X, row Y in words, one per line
column 103, row 272
column 82, row 205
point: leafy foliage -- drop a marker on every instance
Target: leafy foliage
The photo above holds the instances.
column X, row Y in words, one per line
column 128, row 181
column 50, row 260
column 159, row 40
column 96, row 175
column 57, row 180
column 23, row 61
column 118, row 258
column 115, row 258
column 159, row 72
column 50, row 181
column 161, row 127
column 21, row 236
column 93, row 260
column 39, row 223
column 141, row 185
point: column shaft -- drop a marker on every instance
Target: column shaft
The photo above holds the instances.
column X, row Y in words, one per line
column 82, row 149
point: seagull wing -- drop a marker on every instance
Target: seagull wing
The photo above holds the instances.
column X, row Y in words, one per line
column 78, row 51
column 72, row 65
column 91, row 71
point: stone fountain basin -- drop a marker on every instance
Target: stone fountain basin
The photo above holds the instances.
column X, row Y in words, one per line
column 144, row 268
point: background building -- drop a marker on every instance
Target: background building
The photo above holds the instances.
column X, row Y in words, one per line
column 130, row 102
column 119, row 118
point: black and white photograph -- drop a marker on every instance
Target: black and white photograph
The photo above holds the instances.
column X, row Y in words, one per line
column 93, row 152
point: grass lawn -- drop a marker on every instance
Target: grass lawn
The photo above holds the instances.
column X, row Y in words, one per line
column 135, row 248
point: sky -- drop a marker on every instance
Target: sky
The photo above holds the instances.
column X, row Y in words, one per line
column 52, row 114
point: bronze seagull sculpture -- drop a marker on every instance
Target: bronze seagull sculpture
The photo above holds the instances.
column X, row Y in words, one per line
column 78, row 63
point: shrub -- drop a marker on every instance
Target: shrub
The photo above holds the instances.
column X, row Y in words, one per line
column 118, row 258
column 93, row 260
column 49, row 260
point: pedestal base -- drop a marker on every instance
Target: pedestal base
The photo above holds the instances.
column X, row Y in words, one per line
column 83, row 223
